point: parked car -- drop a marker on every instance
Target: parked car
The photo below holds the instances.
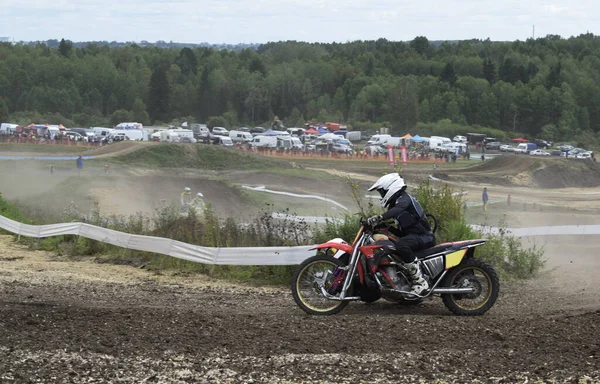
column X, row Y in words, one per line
column 543, row 143
column 556, row 152
column 374, row 150
column 539, row 152
column 584, row 155
column 565, row 147
column 257, row 130
column 575, row 151
column 222, row 131
column 460, row 139
column 505, row 148
column 493, row 145
column 341, row 148
column 74, row 135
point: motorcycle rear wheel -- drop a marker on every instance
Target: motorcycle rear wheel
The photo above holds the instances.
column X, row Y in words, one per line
column 307, row 293
column 472, row 273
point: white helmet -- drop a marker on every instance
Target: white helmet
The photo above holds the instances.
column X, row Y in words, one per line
column 199, row 194
column 387, row 186
column 186, row 189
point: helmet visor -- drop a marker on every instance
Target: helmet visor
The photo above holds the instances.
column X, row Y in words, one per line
column 382, row 192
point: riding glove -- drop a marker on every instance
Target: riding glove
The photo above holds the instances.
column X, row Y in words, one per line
column 374, row 220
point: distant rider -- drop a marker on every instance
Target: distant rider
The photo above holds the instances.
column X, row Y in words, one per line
column 198, row 202
column 414, row 229
column 186, row 197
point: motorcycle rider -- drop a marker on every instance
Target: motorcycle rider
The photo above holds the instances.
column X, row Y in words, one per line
column 409, row 217
column 186, row 197
column 198, row 202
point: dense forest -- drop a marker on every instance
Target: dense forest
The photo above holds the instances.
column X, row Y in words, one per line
column 546, row 87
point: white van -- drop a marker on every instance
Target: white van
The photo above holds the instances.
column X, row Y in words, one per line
column 129, row 125
column 295, row 131
column 101, row 131
column 201, row 131
column 167, row 136
column 7, row 129
column 297, row 144
column 220, row 131
column 240, row 136
column 128, row 134
column 453, row 147
column 292, row 143
column 436, row 142
column 378, row 139
column 354, row 135
column 185, row 135
column 223, row 141
column 396, row 142
column 264, row 141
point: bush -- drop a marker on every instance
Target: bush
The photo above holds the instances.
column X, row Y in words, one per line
column 507, row 254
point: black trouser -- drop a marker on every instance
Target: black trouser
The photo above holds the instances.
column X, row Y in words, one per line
column 407, row 245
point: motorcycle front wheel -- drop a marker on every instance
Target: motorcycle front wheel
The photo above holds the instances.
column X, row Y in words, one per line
column 472, row 273
column 306, row 289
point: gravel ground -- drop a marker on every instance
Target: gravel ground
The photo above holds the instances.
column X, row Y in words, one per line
column 82, row 322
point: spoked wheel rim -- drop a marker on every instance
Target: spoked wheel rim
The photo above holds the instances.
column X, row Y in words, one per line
column 478, row 279
column 308, row 288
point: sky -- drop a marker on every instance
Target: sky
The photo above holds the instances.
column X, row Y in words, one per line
column 260, row 21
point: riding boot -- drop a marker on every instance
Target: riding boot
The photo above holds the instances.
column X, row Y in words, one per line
column 417, row 281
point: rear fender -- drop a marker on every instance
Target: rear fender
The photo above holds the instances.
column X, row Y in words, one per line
column 454, row 258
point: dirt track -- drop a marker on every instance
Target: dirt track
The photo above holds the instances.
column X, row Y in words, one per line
column 85, row 322
column 81, row 322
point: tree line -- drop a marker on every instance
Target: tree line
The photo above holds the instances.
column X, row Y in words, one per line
column 546, row 87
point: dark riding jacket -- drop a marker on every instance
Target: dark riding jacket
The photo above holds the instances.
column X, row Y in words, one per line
column 408, row 215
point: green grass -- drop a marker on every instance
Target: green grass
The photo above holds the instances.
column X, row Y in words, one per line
column 374, row 167
column 42, row 148
column 198, row 156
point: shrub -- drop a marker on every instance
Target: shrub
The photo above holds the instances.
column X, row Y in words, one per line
column 11, row 211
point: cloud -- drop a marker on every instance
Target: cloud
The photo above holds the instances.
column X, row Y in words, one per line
column 554, row 9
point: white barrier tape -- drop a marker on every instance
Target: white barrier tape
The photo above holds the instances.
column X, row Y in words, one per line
column 554, row 230
column 235, row 255
column 305, row 219
column 169, row 247
column 263, row 189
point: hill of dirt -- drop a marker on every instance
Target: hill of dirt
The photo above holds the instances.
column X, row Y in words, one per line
column 528, row 171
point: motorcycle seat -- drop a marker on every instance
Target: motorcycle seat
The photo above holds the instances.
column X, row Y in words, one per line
column 433, row 250
column 446, row 246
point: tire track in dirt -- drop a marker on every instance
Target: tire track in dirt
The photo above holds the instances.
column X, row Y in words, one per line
column 81, row 321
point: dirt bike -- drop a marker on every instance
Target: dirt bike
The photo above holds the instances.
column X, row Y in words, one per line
column 325, row 283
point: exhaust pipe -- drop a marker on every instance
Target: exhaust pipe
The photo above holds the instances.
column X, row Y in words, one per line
column 453, row 290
